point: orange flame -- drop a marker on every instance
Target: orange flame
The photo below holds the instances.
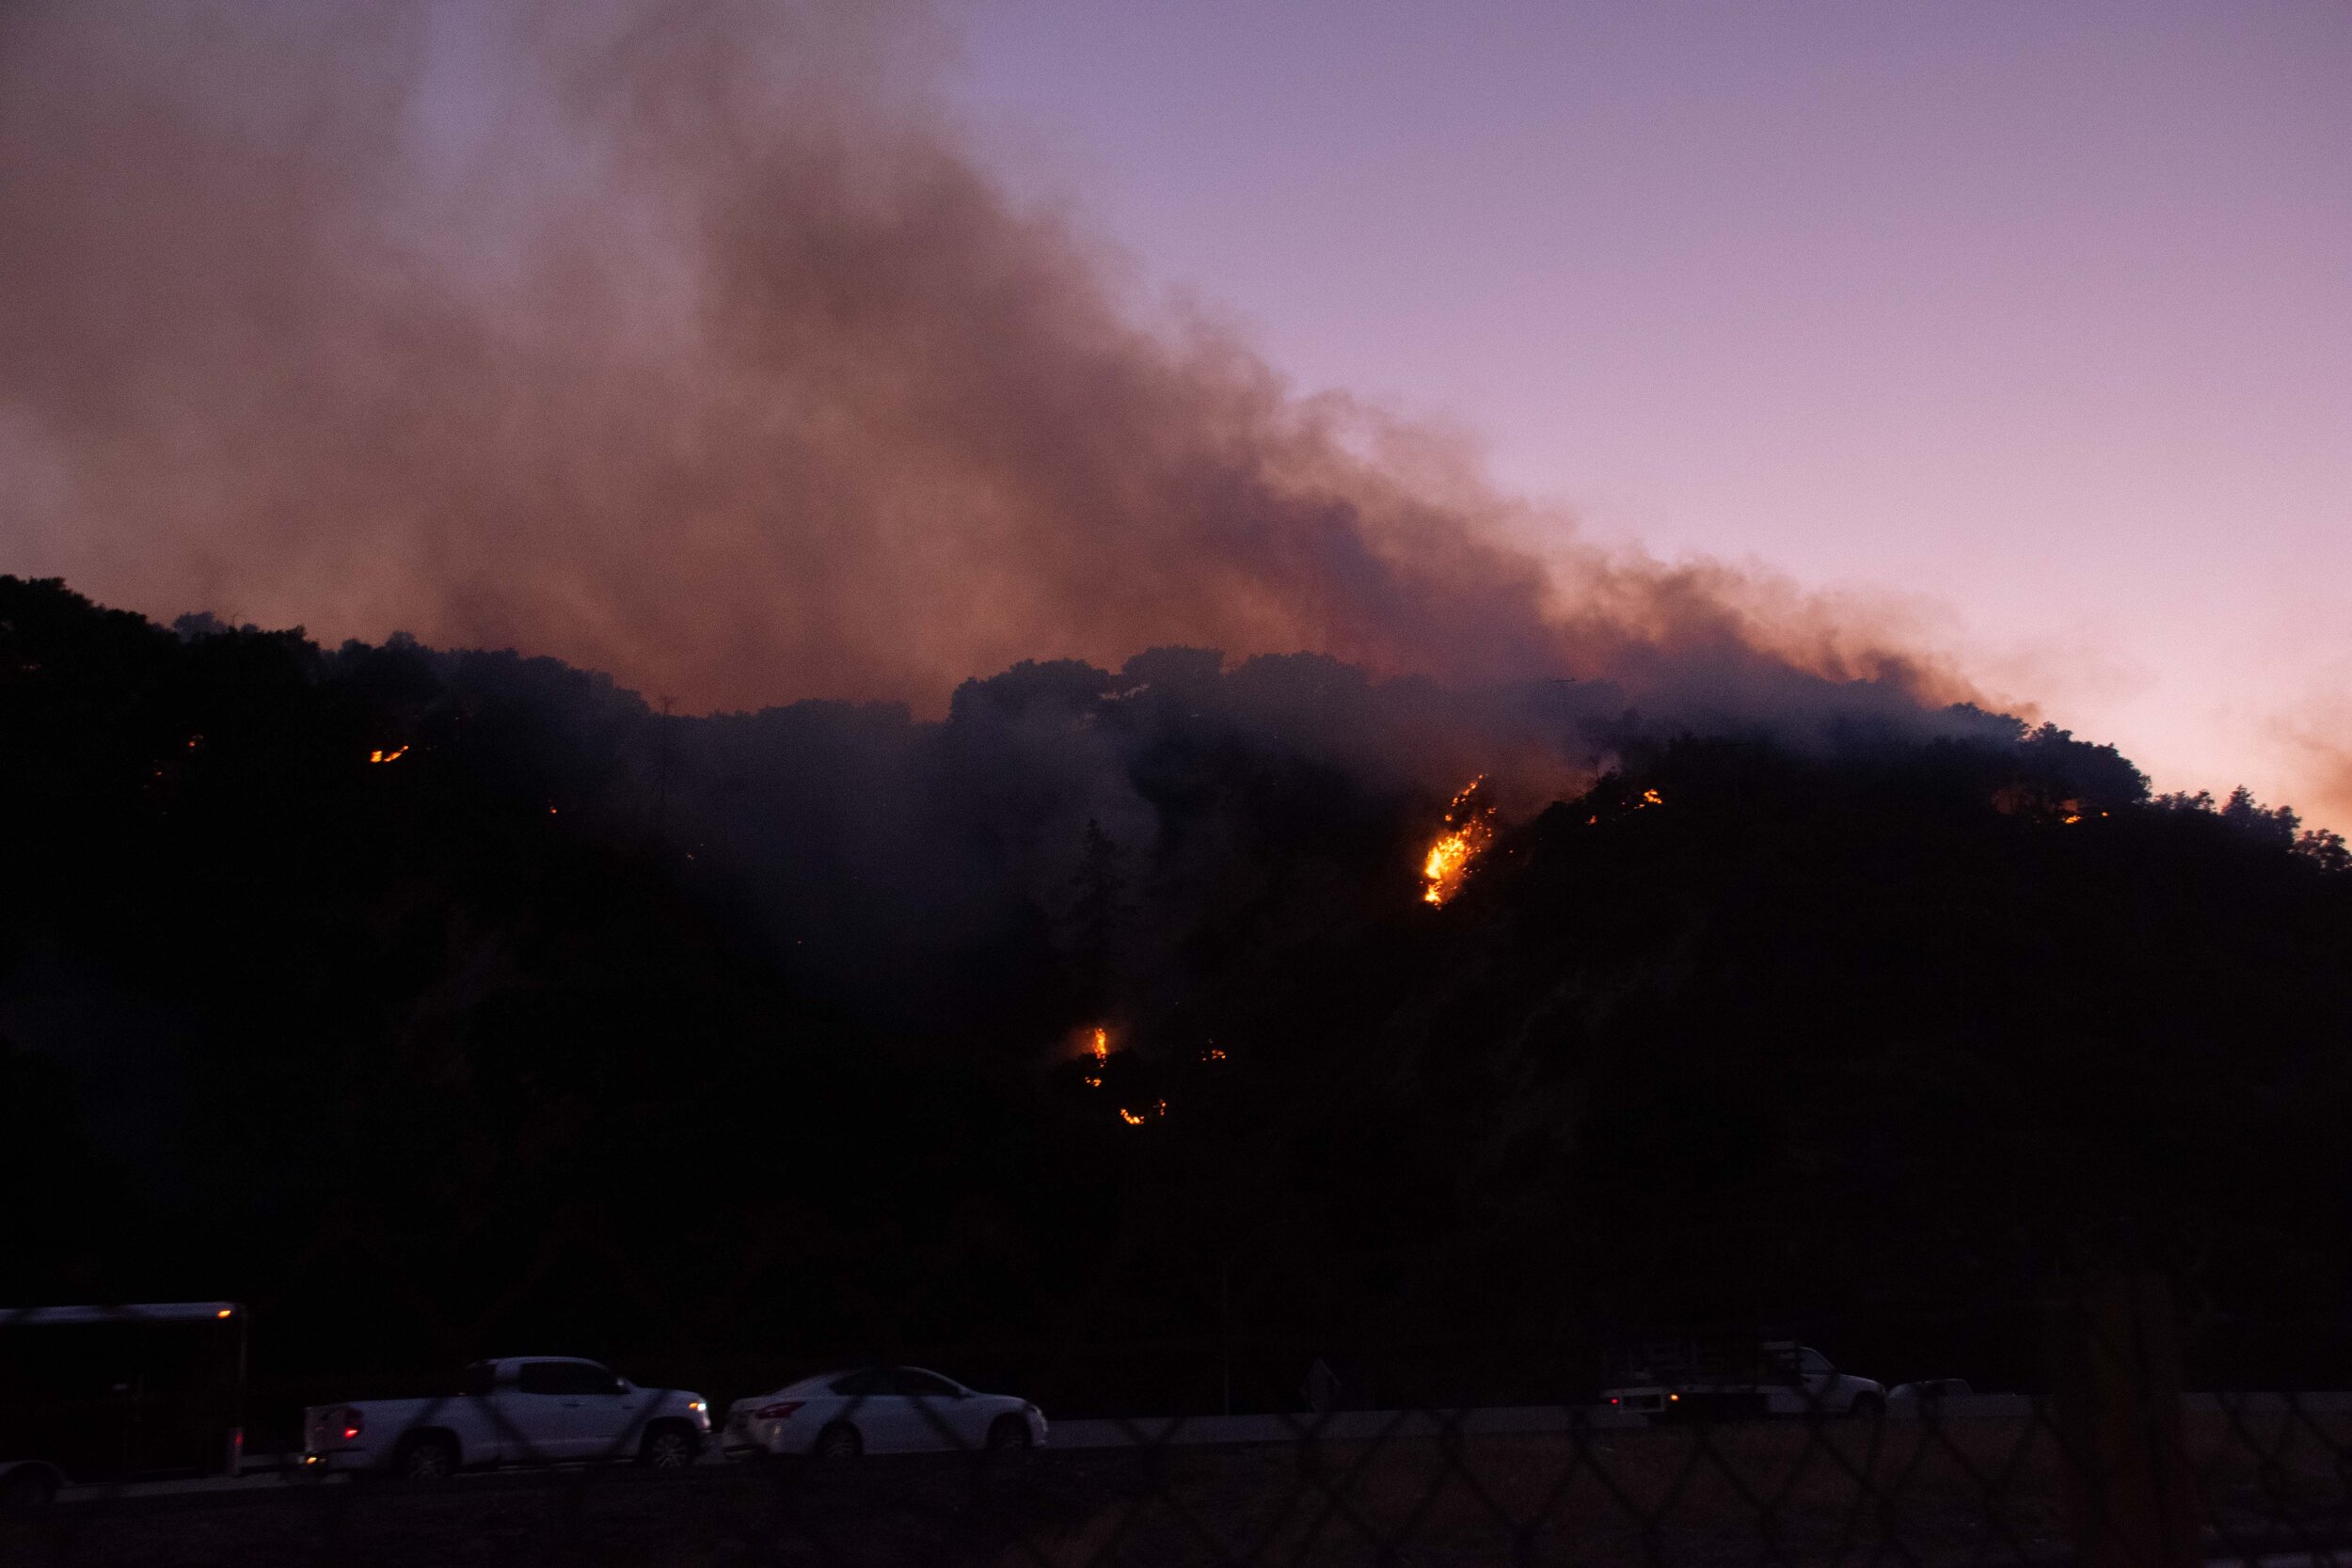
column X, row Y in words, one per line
column 1099, row 1047
column 1468, row 829
column 375, row 756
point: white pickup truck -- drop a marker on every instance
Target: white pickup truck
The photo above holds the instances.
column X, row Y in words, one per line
column 518, row 1410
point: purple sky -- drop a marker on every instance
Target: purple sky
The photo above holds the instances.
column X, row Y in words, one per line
column 2036, row 316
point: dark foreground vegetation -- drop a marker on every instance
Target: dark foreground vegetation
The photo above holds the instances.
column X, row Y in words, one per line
column 726, row 1047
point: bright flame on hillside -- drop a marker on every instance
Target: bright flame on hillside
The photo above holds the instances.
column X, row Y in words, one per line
column 1470, row 828
column 375, row 756
column 1099, row 1047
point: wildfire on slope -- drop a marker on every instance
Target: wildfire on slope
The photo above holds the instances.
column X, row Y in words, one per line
column 1470, row 828
column 1095, row 1058
column 2036, row 803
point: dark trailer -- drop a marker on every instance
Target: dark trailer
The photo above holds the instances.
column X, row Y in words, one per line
column 116, row 1393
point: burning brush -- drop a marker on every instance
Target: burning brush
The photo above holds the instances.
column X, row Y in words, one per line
column 1470, row 828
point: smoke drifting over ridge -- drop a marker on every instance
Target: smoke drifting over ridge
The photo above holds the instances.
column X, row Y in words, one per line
column 683, row 340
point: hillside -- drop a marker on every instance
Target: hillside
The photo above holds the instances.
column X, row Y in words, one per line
column 425, row 998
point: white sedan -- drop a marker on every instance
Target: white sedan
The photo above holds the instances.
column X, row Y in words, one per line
column 880, row 1410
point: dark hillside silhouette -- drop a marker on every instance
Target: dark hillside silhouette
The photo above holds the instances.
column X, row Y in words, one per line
column 431, row 1001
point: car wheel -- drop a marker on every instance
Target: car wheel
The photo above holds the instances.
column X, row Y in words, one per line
column 1008, row 1435
column 426, row 1459
column 839, row 1441
column 668, row 1446
column 1867, row 1407
column 27, row 1489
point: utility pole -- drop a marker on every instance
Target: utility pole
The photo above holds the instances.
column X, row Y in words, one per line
column 662, row 771
column 1225, row 1326
column 2130, row 1492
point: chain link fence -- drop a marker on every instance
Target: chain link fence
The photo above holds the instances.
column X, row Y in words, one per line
column 2108, row 1458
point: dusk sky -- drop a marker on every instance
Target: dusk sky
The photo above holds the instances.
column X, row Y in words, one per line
column 755, row 352
column 2035, row 318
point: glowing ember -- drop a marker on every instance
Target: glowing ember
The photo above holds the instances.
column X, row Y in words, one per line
column 1130, row 1117
column 1470, row 828
column 375, row 756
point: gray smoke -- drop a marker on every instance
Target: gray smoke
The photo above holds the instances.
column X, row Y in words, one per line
column 685, row 340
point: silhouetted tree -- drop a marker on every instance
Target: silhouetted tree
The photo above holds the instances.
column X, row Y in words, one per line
column 1100, row 908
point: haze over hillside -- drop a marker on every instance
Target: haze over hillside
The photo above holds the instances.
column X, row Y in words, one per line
column 831, row 977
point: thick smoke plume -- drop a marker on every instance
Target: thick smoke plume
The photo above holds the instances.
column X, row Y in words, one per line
column 685, row 340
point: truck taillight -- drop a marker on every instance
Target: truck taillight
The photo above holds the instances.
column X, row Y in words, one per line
column 777, row 1412
column 350, row 1423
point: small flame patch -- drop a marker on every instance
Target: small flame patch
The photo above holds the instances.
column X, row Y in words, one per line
column 1470, row 828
